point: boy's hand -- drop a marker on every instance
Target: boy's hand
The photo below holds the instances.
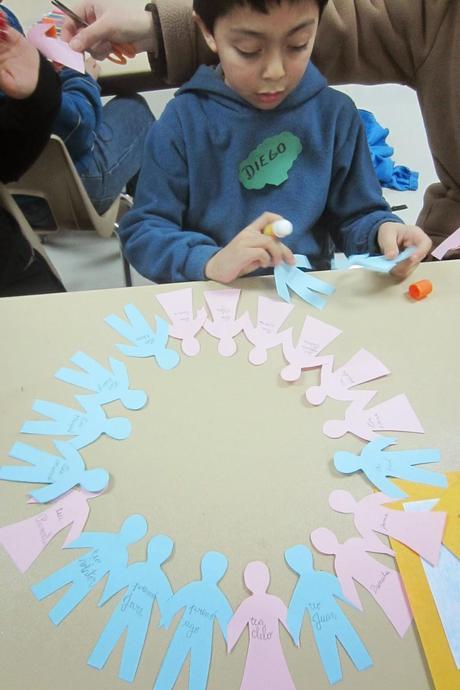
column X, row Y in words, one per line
column 248, row 251
column 92, row 67
column 394, row 237
column 19, row 63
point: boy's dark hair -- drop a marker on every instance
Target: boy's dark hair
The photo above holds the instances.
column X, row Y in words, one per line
column 210, row 10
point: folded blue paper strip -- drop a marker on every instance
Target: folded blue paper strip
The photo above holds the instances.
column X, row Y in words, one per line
column 304, row 285
column 61, row 473
column 372, row 263
column 145, row 341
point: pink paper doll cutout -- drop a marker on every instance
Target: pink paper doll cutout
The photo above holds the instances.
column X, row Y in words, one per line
column 395, row 414
column 271, row 314
column 25, row 540
column 224, row 325
column 178, row 305
column 315, row 336
column 266, row 667
column 352, row 562
column 422, row 532
column 361, row 368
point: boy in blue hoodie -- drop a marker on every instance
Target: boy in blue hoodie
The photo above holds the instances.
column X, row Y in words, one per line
column 259, row 138
column 104, row 142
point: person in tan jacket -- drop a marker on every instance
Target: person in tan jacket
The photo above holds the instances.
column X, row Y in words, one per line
column 411, row 42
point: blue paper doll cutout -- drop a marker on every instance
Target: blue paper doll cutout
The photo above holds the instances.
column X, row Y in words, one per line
column 378, row 263
column 107, row 384
column 109, row 554
column 316, row 592
column 62, row 473
column 378, row 464
column 304, row 285
column 145, row 341
column 146, row 583
column 85, row 426
column 203, row 602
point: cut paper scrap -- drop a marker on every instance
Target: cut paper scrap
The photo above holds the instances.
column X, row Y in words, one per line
column 203, row 602
column 441, row 663
column 106, row 384
column 224, row 324
column 378, row 464
column 145, row 342
column 353, row 562
column 421, row 532
column 451, row 243
column 61, row 473
column 271, row 314
column 448, row 502
column 178, row 305
column 25, row 540
column 316, row 593
column 305, row 286
column 361, row 368
column 378, row 263
column 55, row 49
column 265, row 667
column 146, row 583
column 314, row 337
column 395, row 414
column 108, row 554
column 444, row 582
column 84, row 426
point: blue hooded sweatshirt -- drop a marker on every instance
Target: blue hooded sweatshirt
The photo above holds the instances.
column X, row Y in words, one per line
column 190, row 201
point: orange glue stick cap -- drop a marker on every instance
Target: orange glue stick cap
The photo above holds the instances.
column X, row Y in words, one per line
column 420, row 289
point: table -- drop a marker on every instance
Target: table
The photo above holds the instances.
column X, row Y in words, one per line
column 225, row 456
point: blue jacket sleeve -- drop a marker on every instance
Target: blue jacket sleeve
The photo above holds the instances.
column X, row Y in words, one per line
column 80, row 114
column 356, row 207
column 154, row 234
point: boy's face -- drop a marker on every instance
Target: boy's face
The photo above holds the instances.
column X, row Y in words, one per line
column 264, row 56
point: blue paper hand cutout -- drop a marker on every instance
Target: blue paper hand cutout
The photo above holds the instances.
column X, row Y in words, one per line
column 86, row 426
column 378, row 464
column 203, row 602
column 109, row 554
column 304, row 285
column 107, row 385
column 62, row 473
column 374, row 263
column 316, row 592
column 146, row 342
column 146, row 583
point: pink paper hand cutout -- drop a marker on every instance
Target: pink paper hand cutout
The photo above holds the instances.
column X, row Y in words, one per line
column 224, row 325
column 352, row 562
column 24, row 541
column 315, row 336
column 395, row 414
column 266, row 667
column 178, row 305
column 271, row 314
column 422, row 531
column 361, row 368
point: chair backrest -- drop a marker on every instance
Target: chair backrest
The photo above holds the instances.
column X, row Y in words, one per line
column 54, row 177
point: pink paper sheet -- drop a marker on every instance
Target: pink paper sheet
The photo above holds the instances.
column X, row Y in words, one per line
column 55, row 48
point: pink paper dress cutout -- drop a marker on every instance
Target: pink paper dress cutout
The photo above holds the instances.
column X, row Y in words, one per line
column 314, row 337
column 266, row 667
column 271, row 314
column 361, row 368
column 352, row 562
column 178, row 304
column 395, row 414
column 224, row 325
column 422, row 531
column 25, row 540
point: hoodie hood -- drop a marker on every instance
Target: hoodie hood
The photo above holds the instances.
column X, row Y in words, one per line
column 209, row 81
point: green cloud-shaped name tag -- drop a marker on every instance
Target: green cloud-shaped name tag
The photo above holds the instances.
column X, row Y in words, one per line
column 270, row 162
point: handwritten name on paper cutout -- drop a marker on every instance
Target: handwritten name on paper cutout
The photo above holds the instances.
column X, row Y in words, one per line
column 270, row 162
column 184, row 326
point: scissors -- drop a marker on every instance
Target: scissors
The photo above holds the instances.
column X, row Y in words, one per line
column 120, row 51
